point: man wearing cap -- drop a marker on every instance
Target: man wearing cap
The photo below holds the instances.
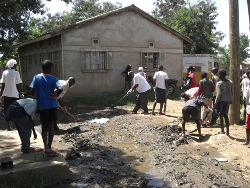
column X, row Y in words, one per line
column 11, row 86
column 160, row 85
column 141, row 71
column 143, row 89
column 65, row 85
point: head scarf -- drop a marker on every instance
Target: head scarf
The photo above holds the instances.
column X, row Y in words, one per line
column 11, row 63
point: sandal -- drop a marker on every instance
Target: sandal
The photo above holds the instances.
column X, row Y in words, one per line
column 32, row 150
column 51, row 153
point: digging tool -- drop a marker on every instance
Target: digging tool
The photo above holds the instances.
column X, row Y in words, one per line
column 112, row 106
column 66, row 112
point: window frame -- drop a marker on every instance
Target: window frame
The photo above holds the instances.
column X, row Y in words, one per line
column 93, row 55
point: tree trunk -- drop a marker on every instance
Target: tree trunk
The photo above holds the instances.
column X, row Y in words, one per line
column 234, row 112
column 248, row 4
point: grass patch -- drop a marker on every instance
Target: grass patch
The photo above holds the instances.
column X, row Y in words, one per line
column 113, row 98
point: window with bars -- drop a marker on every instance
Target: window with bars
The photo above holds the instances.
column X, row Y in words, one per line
column 150, row 60
column 96, row 60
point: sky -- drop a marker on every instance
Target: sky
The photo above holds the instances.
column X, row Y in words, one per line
column 148, row 6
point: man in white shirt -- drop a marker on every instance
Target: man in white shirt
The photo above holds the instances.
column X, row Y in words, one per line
column 11, row 86
column 65, row 85
column 160, row 85
column 245, row 82
column 143, row 88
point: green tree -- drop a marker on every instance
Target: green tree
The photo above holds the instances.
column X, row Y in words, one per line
column 82, row 9
column 14, row 19
column 224, row 52
column 196, row 21
column 244, row 47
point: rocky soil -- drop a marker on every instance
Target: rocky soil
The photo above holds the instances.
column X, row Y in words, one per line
column 136, row 150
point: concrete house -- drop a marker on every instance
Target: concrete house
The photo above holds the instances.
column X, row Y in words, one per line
column 95, row 51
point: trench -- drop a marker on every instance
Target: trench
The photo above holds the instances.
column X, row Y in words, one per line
column 124, row 140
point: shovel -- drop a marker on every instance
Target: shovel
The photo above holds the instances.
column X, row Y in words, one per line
column 113, row 105
column 66, row 112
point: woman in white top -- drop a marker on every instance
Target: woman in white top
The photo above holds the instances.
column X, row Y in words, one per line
column 11, row 86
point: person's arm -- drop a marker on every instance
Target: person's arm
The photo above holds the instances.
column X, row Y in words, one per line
column 209, row 110
column 32, row 126
column 2, row 88
column 132, row 88
column 56, row 92
column 199, row 90
column 219, row 92
column 213, row 87
column 166, row 83
column 154, row 82
column 62, row 105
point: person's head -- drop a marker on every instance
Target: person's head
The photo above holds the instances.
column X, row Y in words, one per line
column 140, row 69
column 215, row 70
column 203, row 75
column 222, row 74
column 160, row 67
column 191, row 68
column 244, row 76
column 129, row 67
column 11, row 63
column 184, row 97
column 248, row 74
column 71, row 81
column 131, row 74
column 47, row 66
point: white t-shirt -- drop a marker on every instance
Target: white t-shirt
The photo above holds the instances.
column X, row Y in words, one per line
column 11, row 78
column 28, row 104
column 244, row 86
column 65, row 86
column 192, row 92
column 160, row 78
column 142, row 83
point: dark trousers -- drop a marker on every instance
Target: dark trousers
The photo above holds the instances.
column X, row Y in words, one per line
column 24, row 131
column 142, row 101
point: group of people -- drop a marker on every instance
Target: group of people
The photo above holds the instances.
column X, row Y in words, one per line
column 143, row 88
column 211, row 95
column 46, row 92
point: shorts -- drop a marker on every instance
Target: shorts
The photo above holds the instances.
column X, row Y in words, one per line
column 160, row 95
column 48, row 115
column 223, row 107
column 190, row 112
column 248, row 121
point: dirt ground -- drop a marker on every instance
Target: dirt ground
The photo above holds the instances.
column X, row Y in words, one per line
column 136, row 150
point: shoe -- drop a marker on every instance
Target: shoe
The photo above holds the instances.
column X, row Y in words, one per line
column 204, row 125
column 134, row 112
column 161, row 113
column 153, row 113
column 144, row 113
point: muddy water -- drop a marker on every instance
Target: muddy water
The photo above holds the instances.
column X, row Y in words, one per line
column 124, row 140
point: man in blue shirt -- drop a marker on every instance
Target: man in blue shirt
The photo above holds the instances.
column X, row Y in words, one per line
column 47, row 88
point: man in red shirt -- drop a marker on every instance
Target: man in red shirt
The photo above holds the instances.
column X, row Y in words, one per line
column 191, row 74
